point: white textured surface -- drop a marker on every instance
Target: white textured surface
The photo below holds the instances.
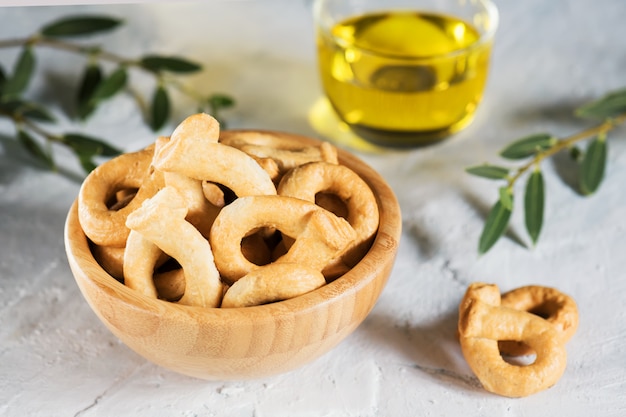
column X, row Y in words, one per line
column 56, row 359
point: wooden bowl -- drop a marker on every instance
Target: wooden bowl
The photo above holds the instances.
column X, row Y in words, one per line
column 250, row 342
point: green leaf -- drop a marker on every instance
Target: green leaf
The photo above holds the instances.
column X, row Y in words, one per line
column 533, row 204
column 488, row 171
column 110, row 86
column 575, row 153
column 79, row 25
column 497, row 221
column 91, row 79
column 31, row 145
column 89, row 146
column 157, row 63
column 611, row 105
column 3, row 78
column 220, row 101
column 528, row 146
column 86, row 162
column 506, row 197
column 26, row 109
column 593, row 165
column 22, row 74
column 160, row 108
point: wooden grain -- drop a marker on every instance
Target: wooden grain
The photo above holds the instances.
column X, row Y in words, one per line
column 242, row 343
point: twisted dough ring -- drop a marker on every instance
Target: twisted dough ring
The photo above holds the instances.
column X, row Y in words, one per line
column 285, row 153
column 557, row 308
column 203, row 160
column 306, row 181
column 320, row 236
column 272, row 282
column 483, row 321
column 167, row 211
column 103, row 225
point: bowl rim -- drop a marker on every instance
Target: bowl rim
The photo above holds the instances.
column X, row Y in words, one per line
column 380, row 256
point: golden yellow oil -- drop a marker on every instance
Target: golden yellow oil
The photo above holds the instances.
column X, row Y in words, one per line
column 404, row 72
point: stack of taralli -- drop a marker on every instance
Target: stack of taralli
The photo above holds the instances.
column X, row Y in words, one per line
column 226, row 219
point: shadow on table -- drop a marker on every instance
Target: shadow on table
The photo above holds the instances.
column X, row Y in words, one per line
column 431, row 349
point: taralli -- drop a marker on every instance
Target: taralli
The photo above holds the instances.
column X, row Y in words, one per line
column 483, row 321
column 196, row 218
column 308, row 180
column 200, row 126
column 170, row 285
column 557, row 308
column 201, row 213
column 111, row 259
column 103, row 225
column 215, row 162
column 167, row 211
column 140, row 258
column 282, row 150
column 319, row 235
column 272, row 282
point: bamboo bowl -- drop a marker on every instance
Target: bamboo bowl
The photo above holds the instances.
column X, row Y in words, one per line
column 250, row 342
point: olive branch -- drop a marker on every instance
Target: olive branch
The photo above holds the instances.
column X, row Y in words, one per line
column 95, row 87
column 608, row 111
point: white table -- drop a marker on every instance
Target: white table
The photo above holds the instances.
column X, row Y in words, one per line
column 57, row 359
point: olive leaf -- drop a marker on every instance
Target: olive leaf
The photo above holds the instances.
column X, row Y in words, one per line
column 506, row 197
column 611, row 105
column 26, row 109
column 493, row 172
column 528, row 146
column 593, row 165
column 79, row 26
column 30, row 144
column 575, row 153
column 160, row 109
column 24, row 68
column 156, row 63
column 87, row 148
column 220, row 101
column 89, row 145
column 3, row 78
column 534, row 197
column 110, row 86
column 495, row 225
column 91, row 79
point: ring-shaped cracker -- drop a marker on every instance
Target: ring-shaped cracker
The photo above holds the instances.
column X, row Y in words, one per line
column 482, row 322
column 273, row 282
column 308, row 180
column 167, row 211
column 319, row 235
column 203, row 160
column 105, row 226
column 557, row 308
column 286, row 152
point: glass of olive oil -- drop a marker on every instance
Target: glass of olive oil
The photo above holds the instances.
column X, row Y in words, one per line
column 404, row 72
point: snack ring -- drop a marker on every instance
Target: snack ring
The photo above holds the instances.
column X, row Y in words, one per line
column 306, row 181
column 272, row 282
column 197, row 158
column 167, row 211
column 319, row 235
column 106, row 226
column 549, row 303
column 482, row 322
column 286, row 152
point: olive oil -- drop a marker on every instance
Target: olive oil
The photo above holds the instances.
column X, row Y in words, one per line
column 404, row 72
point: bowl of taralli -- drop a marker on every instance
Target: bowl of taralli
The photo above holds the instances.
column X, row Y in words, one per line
column 232, row 254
